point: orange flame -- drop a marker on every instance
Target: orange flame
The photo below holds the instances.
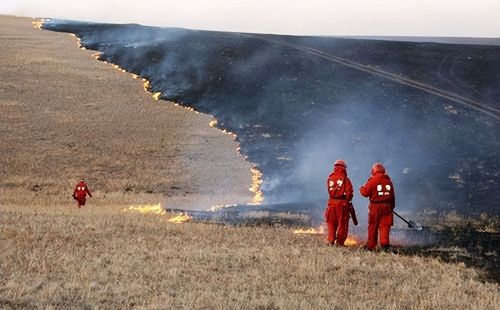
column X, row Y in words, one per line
column 351, row 241
column 156, row 96
column 213, row 123
column 158, row 210
column 310, row 231
column 146, row 85
column 38, row 24
column 181, row 218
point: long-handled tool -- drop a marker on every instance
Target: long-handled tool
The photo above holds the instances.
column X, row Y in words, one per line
column 352, row 212
column 411, row 224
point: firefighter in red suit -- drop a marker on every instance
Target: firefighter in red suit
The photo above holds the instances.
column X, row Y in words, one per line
column 380, row 190
column 340, row 196
column 80, row 193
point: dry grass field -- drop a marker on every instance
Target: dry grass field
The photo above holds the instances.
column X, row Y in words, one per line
column 101, row 257
column 65, row 115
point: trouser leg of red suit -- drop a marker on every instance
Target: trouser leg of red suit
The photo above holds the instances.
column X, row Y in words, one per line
column 343, row 220
column 81, row 202
column 384, row 235
column 331, row 223
column 373, row 226
column 386, row 221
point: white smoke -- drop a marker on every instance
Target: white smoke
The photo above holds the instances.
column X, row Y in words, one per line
column 456, row 18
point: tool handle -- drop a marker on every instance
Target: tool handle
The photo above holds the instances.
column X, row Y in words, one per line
column 409, row 224
column 352, row 212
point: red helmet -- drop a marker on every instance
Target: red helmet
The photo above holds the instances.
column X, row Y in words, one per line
column 340, row 162
column 378, row 167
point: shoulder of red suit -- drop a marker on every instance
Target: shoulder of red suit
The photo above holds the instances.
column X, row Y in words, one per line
column 380, row 175
column 338, row 175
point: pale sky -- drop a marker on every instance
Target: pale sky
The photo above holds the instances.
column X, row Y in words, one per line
column 456, row 18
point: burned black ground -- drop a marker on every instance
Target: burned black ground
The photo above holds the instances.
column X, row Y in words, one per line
column 466, row 245
column 296, row 111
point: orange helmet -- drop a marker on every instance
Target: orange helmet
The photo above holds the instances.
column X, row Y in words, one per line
column 378, row 167
column 340, row 162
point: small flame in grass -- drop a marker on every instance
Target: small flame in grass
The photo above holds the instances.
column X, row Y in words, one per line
column 181, row 218
column 219, row 207
column 117, row 67
column 310, row 231
column 135, row 76
column 190, row 109
column 213, row 123
column 156, row 96
column 146, row 84
column 255, row 187
column 145, row 209
column 78, row 41
column 351, row 241
column 38, row 24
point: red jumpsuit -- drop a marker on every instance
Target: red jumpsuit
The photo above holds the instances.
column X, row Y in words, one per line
column 380, row 190
column 337, row 213
column 80, row 193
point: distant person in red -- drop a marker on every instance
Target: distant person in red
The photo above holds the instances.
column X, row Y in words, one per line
column 340, row 196
column 80, row 193
column 380, row 190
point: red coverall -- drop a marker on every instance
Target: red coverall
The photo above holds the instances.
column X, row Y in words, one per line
column 380, row 190
column 80, row 193
column 337, row 213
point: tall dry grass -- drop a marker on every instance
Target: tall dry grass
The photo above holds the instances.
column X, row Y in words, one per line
column 61, row 257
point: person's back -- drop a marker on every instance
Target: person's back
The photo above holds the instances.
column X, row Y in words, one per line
column 380, row 190
column 340, row 195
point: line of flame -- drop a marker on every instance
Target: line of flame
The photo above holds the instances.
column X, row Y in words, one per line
column 97, row 56
column 181, row 218
column 146, row 209
column 310, row 231
column 255, row 188
column 158, row 210
column 257, row 181
column 190, row 109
